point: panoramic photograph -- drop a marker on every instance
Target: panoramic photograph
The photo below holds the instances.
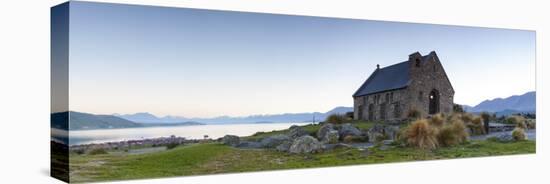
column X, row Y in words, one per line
column 147, row 92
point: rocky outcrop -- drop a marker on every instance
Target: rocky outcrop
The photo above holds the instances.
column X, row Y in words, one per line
column 349, row 130
column 296, row 131
column 305, row 144
column 249, row 144
column 331, row 137
column 231, row 140
column 324, row 129
column 284, row 147
column 327, row 134
column 274, row 140
column 505, row 137
column 382, row 132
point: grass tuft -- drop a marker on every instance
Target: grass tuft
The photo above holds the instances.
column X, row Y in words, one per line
column 421, row 135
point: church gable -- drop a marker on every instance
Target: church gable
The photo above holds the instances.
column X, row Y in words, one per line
column 419, row 83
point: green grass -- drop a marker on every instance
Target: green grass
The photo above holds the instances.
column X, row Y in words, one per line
column 216, row 158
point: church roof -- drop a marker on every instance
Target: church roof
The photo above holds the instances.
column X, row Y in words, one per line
column 388, row 78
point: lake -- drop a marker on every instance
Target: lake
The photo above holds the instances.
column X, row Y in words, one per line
column 189, row 132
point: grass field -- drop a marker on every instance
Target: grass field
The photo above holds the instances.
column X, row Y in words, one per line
column 215, row 158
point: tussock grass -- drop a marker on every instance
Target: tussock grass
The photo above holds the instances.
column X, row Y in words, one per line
column 466, row 117
column 477, row 126
column 518, row 134
column 421, row 135
column 531, row 124
column 515, row 120
column 437, row 120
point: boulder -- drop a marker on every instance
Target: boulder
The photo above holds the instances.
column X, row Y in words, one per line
column 505, row 137
column 284, row 147
column 249, row 144
column 324, row 129
column 305, row 144
column 296, row 131
column 231, row 140
column 391, row 131
column 331, row 137
column 374, row 136
column 274, row 140
column 383, row 132
column 349, row 130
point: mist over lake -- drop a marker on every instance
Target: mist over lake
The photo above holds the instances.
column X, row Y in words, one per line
column 190, row 132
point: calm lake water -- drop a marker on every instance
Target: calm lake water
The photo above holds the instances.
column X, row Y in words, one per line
column 189, row 132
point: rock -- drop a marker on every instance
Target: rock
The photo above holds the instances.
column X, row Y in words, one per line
column 331, row 137
column 375, row 136
column 387, row 142
column 391, row 132
column 296, row 131
column 231, row 140
column 324, row 130
column 342, row 145
column 382, row 132
column 349, row 130
column 249, row 144
column 305, row 144
column 505, row 137
column 274, row 140
column 284, row 147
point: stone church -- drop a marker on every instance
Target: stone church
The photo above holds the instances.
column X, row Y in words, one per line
column 391, row 92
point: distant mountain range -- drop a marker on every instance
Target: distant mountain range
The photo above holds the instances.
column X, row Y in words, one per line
column 525, row 103
column 148, row 118
column 86, row 121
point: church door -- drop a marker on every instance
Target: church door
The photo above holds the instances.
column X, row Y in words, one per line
column 434, row 102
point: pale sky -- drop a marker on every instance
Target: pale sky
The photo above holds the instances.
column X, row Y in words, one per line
column 203, row 63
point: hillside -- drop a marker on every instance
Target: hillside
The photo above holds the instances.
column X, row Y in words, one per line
column 148, row 118
column 516, row 103
column 83, row 121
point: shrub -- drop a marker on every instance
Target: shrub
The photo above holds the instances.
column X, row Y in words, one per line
column 414, row 113
column 515, row 120
column 460, row 130
column 521, row 125
column 518, row 134
column 349, row 115
column 401, row 137
column 97, row 151
column 437, row 120
column 336, row 119
column 172, row 145
column 486, row 117
column 419, row 134
column 453, row 133
column 466, row 117
column 458, row 108
column 531, row 124
column 477, row 126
